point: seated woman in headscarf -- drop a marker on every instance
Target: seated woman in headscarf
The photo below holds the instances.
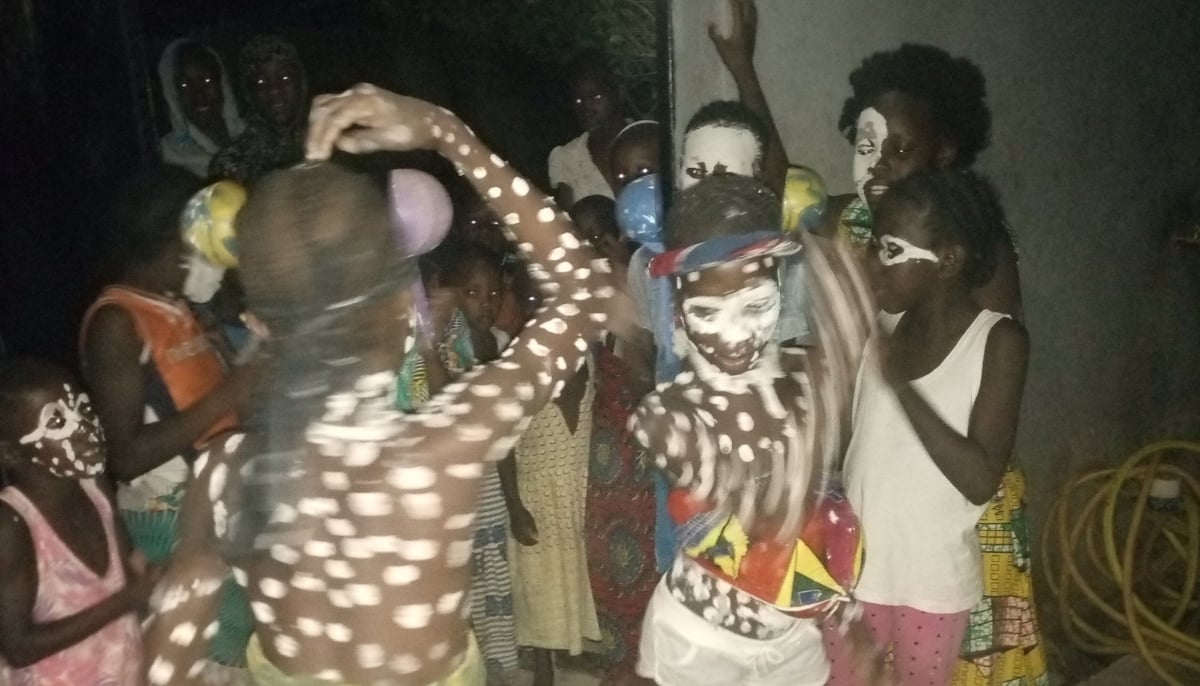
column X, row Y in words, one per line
column 204, row 116
column 275, row 85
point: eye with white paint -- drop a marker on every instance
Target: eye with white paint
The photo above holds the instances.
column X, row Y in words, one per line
column 893, row 251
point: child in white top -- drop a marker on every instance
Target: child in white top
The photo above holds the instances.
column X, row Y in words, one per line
column 935, row 417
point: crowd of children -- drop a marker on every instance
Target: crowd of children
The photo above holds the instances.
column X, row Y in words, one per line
column 368, row 466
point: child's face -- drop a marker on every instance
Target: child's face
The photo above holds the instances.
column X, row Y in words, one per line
column 479, row 296
column 894, row 139
column 729, row 312
column 198, row 83
column 594, row 103
column 275, row 89
column 57, row 430
column 633, row 161
column 906, row 261
column 716, row 149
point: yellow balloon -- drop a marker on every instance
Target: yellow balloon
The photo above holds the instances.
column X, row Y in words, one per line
column 804, row 199
column 208, row 222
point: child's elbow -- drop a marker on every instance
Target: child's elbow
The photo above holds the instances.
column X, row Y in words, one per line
column 19, row 656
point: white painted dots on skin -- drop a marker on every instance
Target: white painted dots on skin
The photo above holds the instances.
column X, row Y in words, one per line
column 314, row 548
column 307, row 582
column 520, row 187
column 466, row 471
column 370, row 504
column 494, row 192
column 448, row 603
column 370, row 655
column 423, row 506
column 183, row 634
column 413, row 616
column 545, row 216
column 412, row 478
column 335, row 481
column 464, row 150
column 458, row 554
column 495, row 159
column 263, row 612
column 401, row 575
column 338, row 633
column 418, row 550
column 405, row 664
column 307, row 626
column 284, row 554
column 286, row 645
column 160, row 671
column 339, row 569
column 272, row 588
column 459, row 521
column 479, row 172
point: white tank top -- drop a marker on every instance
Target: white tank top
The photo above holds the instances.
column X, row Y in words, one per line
column 921, row 549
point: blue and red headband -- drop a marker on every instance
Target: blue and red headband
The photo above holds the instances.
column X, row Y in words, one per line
column 721, row 250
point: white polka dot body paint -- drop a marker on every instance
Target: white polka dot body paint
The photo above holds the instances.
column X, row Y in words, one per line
column 361, row 575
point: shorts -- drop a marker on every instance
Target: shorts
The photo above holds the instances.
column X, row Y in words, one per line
column 679, row 648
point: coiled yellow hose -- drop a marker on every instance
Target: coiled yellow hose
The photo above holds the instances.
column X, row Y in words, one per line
column 1126, row 581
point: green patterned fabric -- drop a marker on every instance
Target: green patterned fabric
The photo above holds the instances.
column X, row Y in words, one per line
column 154, row 534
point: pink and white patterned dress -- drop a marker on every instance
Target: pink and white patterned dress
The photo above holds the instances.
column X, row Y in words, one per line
column 66, row 586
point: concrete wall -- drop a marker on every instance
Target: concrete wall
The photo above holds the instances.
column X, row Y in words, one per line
column 1096, row 111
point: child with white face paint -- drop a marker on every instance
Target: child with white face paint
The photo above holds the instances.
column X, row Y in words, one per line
column 934, row 420
column 71, row 588
column 723, row 137
column 741, row 435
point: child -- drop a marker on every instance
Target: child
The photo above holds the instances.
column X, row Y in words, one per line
column 71, row 591
column 471, row 274
column 935, row 417
column 743, row 435
column 619, row 521
column 350, row 524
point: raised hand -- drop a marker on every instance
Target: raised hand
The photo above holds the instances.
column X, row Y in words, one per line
column 737, row 49
column 367, row 118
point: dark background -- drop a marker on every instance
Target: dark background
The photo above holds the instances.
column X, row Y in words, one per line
column 81, row 110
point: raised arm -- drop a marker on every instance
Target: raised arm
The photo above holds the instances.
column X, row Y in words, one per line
column 492, row 404
column 737, row 52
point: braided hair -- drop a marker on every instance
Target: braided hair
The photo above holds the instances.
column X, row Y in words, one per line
column 953, row 87
column 960, row 207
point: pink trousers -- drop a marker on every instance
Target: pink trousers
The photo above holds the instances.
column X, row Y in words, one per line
column 924, row 646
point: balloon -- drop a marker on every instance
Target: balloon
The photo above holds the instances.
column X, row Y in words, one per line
column 420, row 211
column 804, row 199
column 208, row 222
column 639, row 211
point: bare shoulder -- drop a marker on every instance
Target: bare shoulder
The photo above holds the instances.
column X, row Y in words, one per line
column 16, row 542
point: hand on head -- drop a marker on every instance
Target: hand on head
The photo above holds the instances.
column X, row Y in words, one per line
column 367, row 118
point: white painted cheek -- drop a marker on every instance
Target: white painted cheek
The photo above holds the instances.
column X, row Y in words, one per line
column 203, row 279
column 871, row 131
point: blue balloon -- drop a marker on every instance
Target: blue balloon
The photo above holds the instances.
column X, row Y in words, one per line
column 639, row 211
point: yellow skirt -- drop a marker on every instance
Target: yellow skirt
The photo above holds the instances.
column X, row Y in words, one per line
column 262, row 673
column 1003, row 646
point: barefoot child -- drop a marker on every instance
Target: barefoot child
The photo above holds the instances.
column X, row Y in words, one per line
column 70, row 591
column 935, row 417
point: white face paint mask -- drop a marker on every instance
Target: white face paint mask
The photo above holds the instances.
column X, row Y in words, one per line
column 730, row 331
column 894, row 250
column 714, row 149
column 67, row 437
column 203, row 279
column 869, row 135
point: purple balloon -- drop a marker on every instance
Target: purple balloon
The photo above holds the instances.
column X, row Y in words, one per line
column 420, row 211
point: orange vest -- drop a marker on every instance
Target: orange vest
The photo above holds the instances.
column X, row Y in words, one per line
column 185, row 361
